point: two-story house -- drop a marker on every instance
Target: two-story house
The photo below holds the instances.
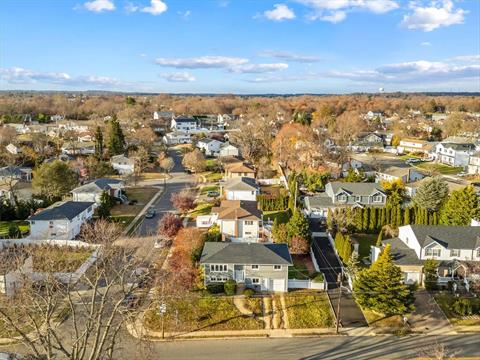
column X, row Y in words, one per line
column 263, row 267
column 93, row 190
column 239, row 221
column 228, row 149
column 8, row 173
column 454, row 154
column 343, row 194
column 404, row 173
column 474, row 164
column 123, row 164
column 239, row 170
column 210, row 147
column 177, row 137
column 367, row 142
column 241, row 188
column 414, row 146
column 61, row 221
column 449, row 245
column 184, row 124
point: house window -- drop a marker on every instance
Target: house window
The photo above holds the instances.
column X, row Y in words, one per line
column 358, row 198
column 377, row 198
column 433, row 252
column 342, row 198
column 254, row 267
column 249, row 222
column 277, row 267
column 219, row 268
column 454, row 253
column 255, row 281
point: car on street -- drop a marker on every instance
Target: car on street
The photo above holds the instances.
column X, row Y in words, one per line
column 213, row 193
column 151, row 212
column 412, row 161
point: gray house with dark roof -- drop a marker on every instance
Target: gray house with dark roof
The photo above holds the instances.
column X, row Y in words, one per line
column 343, row 194
column 241, row 188
column 263, row 267
column 454, row 154
column 61, row 221
column 92, row 191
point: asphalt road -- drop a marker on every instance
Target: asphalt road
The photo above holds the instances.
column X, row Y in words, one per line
column 329, row 347
column 178, row 181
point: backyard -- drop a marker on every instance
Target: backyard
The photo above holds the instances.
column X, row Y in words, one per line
column 47, row 258
column 203, row 208
column 308, row 309
column 364, row 243
column 194, row 312
column 282, row 216
column 23, row 226
column 302, row 267
column 440, row 168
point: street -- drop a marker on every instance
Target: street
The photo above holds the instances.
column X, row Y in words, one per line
column 331, row 347
column 178, row 181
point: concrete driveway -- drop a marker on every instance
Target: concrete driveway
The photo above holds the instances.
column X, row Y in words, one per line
column 428, row 317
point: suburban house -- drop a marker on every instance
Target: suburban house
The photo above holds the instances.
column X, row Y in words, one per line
column 456, row 248
column 163, row 115
column 241, row 188
column 239, row 221
column 228, row 149
column 367, row 142
column 177, row 137
column 13, row 149
column 239, row 170
column 78, row 148
column 343, row 194
column 454, row 154
column 262, row 267
column 210, row 147
column 405, row 173
column 374, row 114
column 474, row 164
column 93, row 190
column 61, row 221
column 414, row 145
column 184, row 124
column 15, row 172
column 123, row 164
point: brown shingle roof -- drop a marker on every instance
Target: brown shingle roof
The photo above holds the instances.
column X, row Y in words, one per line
column 240, row 168
column 238, row 209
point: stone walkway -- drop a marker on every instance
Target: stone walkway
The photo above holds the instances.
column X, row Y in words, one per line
column 267, row 312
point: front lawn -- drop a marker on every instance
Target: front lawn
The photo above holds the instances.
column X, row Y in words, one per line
column 379, row 320
column 24, row 227
column 206, row 189
column 308, row 309
column 364, row 243
column 201, row 209
column 123, row 221
column 440, row 168
column 213, row 176
column 446, row 302
column 193, row 313
column 142, row 195
column 282, row 216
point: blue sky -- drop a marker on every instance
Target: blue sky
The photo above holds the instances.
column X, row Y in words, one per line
column 240, row 46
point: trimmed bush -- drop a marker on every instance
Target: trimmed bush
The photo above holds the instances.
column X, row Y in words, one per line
column 462, row 307
column 248, row 293
column 318, row 278
column 229, row 287
column 215, row 288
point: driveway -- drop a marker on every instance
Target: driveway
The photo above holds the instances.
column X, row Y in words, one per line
column 428, row 317
column 178, row 181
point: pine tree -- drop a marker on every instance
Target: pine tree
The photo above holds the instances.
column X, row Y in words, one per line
column 461, row 207
column 380, row 287
column 398, row 221
column 116, row 139
column 373, row 219
column 347, row 248
column 434, row 218
column 383, row 220
column 330, row 219
column 359, row 219
column 298, row 225
column 431, row 194
column 103, row 210
column 99, row 143
column 406, row 216
column 365, row 219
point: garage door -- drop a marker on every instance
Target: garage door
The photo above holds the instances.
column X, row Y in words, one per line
column 278, row 285
column 411, row 277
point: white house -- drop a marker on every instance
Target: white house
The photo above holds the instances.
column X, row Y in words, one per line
column 474, row 164
column 123, row 164
column 228, row 149
column 177, row 137
column 406, row 174
column 454, row 154
column 12, row 149
column 79, row 148
column 61, row 221
column 93, row 190
column 415, row 145
column 241, row 188
column 183, row 123
column 239, row 221
column 211, row 147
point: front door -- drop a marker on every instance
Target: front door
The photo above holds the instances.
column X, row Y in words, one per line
column 239, row 273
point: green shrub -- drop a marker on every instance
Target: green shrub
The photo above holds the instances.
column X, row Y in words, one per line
column 215, row 288
column 462, row 307
column 318, row 278
column 248, row 293
column 229, row 287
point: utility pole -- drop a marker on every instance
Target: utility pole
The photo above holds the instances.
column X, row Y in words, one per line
column 296, row 190
column 339, row 280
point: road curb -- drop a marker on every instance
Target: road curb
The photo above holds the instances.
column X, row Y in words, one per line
column 143, row 211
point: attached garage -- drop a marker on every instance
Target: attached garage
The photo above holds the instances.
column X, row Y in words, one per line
column 412, row 277
column 277, row 285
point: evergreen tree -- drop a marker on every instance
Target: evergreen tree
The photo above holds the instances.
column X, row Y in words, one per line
column 383, row 220
column 434, row 218
column 373, row 219
column 99, row 143
column 365, row 219
column 380, row 287
column 106, row 203
column 358, row 222
column 430, row 267
column 298, row 225
column 347, row 248
column 379, row 238
column 330, row 219
column 116, row 139
column 398, row 221
column 406, row 216
column 461, row 207
column 431, row 194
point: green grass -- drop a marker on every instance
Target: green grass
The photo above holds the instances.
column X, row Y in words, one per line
column 193, row 312
column 307, row 309
column 364, row 243
column 141, row 194
column 445, row 302
column 212, row 177
column 124, row 221
column 201, row 209
column 379, row 320
column 255, row 305
column 24, row 227
column 206, row 189
column 299, row 272
column 440, row 168
column 282, row 216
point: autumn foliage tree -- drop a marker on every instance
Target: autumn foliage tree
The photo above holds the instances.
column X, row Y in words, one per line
column 169, row 225
column 183, row 201
column 194, row 160
column 299, row 245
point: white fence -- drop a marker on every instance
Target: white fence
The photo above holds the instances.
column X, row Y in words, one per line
column 305, row 284
column 275, row 181
column 28, row 241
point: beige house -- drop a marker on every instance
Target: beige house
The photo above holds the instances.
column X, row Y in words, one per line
column 239, row 170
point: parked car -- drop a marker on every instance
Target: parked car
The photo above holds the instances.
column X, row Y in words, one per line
column 462, row 174
column 151, row 212
column 412, row 161
column 213, row 194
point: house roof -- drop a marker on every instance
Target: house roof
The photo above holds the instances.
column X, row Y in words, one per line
column 230, row 160
column 14, row 170
column 459, row 146
column 208, row 141
column 241, row 184
column 318, row 201
column 238, row 209
column 62, row 210
column 401, row 253
column 245, row 253
column 398, row 171
column 240, row 168
column 121, row 158
column 451, row 237
column 184, row 119
column 96, row 186
column 356, row 188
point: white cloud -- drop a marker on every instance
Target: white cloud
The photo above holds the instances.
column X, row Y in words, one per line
column 467, row 58
column 426, row 43
column 184, row 14
column 131, row 8
column 258, row 68
column 156, row 7
column 335, row 11
column 179, row 77
column 202, row 62
column 99, row 5
column 433, row 16
column 287, row 78
column 288, row 56
column 17, row 75
column 280, row 12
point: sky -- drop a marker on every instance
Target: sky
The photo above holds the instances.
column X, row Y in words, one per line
column 240, row 46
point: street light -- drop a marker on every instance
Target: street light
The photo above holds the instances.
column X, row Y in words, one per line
column 163, row 309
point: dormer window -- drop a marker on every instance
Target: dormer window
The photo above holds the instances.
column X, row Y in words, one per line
column 342, row 197
column 454, row 253
column 433, row 252
column 377, row 198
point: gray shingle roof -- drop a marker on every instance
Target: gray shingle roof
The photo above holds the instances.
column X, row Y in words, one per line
column 60, row 211
column 184, row 119
column 96, row 186
column 401, row 253
column 459, row 146
column 245, row 253
column 321, row 200
column 358, row 188
column 241, row 184
column 451, row 237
